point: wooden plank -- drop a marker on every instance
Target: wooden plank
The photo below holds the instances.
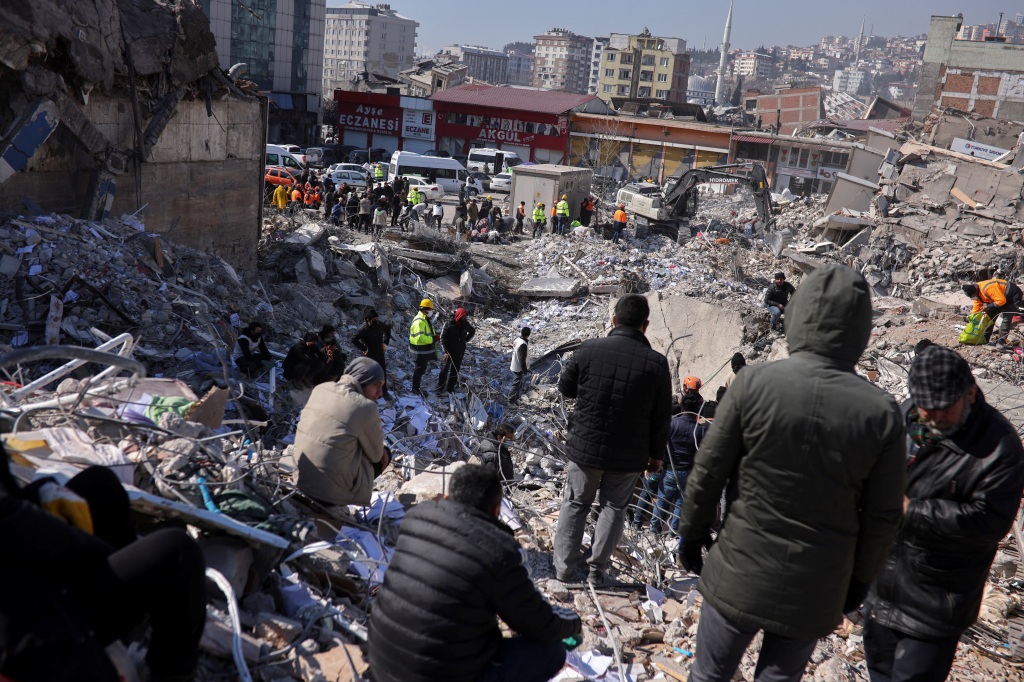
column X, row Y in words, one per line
column 963, row 198
column 669, row 667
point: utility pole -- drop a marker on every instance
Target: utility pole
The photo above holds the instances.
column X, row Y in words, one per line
column 724, row 57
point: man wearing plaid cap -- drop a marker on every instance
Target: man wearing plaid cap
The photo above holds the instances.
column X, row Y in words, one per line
column 965, row 473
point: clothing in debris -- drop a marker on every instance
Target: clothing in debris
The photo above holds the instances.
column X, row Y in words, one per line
column 454, row 569
column 455, row 336
column 79, row 592
column 964, row 489
column 338, row 441
column 623, row 392
column 812, row 459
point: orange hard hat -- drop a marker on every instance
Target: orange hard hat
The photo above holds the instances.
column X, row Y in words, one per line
column 691, row 382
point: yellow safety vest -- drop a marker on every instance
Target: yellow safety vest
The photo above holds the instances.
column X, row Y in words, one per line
column 563, row 208
column 538, row 214
column 421, row 334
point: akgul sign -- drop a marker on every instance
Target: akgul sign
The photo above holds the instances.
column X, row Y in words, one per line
column 366, row 118
column 509, row 136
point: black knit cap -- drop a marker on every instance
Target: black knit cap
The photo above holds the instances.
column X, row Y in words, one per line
column 939, row 376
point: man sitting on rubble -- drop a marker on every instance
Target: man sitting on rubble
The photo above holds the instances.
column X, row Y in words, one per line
column 995, row 296
column 251, row 354
column 456, row 566
column 304, row 360
column 964, row 479
column 76, row 578
column 776, row 298
column 339, row 442
column 495, row 452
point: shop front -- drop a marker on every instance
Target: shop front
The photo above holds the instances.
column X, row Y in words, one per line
column 803, row 165
column 391, row 122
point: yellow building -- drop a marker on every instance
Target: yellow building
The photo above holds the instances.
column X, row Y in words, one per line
column 643, row 67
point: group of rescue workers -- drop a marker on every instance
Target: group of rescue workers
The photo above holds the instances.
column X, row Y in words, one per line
column 836, row 499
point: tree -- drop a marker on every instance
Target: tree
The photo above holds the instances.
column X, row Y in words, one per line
column 737, row 93
column 329, row 114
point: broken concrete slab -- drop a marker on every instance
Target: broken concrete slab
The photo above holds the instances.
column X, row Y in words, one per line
column 431, row 482
column 542, row 287
column 305, row 235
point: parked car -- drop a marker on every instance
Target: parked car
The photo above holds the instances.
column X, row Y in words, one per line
column 354, row 178
column 371, row 155
column 502, row 182
column 279, row 156
column 296, row 150
column 281, row 176
column 483, row 178
column 315, row 157
column 346, row 166
column 437, row 152
column 431, row 190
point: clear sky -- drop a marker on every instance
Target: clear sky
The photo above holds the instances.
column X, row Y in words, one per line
column 493, row 23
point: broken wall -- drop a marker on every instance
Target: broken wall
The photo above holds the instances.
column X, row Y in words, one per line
column 697, row 338
column 205, row 174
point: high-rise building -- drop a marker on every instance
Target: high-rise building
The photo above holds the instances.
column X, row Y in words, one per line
column 282, row 42
column 849, row 80
column 364, row 38
column 753, row 65
column 561, row 61
column 490, row 66
column 520, row 68
column 644, row 67
column 596, row 52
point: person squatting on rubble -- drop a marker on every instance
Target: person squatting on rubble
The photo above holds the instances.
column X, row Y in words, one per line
column 304, row 360
column 455, row 336
column 251, row 353
column 422, row 342
column 619, row 428
column 495, row 453
column 995, row 296
column 964, row 478
column 339, row 441
column 813, row 460
column 373, row 338
column 455, row 568
column 78, row 578
column 619, row 223
column 519, row 364
column 776, row 298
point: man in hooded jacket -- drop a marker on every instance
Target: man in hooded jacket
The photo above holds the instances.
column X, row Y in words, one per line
column 812, row 459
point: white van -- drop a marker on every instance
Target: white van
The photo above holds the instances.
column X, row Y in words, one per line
column 279, row 156
column 491, row 161
column 450, row 174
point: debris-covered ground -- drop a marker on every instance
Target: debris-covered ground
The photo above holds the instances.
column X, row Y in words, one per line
column 220, row 458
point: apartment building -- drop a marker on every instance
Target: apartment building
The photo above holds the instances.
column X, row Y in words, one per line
column 520, row 68
column 643, row 67
column 561, row 61
column 364, row 38
column 281, row 41
column 485, row 64
column 596, row 53
column 753, row 65
column 849, row 80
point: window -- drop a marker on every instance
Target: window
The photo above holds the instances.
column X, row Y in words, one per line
column 647, row 76
column 627, row 59
column 663, row 61
column 804, row 156
column 661, row 94
column 606, row 88
column 647, row 60
column 623, row 91
column 609, row 73
column 643, row 92
column 625, row 74
column 663, row 78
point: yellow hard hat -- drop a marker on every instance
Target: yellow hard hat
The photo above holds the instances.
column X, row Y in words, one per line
column 427, row 303
column 564, row 197
column 488, row 197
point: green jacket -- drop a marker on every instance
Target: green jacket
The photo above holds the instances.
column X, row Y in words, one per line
column 812, row 459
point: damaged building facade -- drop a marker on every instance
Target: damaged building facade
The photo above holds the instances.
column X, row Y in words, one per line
column 112, row 107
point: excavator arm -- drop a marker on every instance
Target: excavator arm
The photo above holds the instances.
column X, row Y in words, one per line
column 681, row 197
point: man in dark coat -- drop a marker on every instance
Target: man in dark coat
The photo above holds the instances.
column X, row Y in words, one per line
column 623, row 392
column 455, row 568
column 304, row 360
column 373, row 339
column 964, row 480
column 777, row 297
column 455, row 336
column 77, row 579
column 812, row 459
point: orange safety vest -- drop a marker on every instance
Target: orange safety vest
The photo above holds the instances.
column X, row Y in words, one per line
column 309, row 198
column 991, row 291
column 620, row 216
column 296, row 195
column 553, row 214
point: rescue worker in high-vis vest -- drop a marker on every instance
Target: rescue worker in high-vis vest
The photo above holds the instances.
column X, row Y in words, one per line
column 414, row 196
column 378, row 173
column 422, row 341
column 620, row 223
column 996, row 296
column 562, row 211
column 538, row 220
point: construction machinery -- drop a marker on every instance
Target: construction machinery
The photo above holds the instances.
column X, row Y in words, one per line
column 669, row 208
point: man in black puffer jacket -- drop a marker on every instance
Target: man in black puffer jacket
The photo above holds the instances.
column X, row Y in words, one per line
column 455, row 567
column 623, row 392
column 964, row 480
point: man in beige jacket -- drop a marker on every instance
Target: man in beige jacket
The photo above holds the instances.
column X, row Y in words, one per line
column 339, row 443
